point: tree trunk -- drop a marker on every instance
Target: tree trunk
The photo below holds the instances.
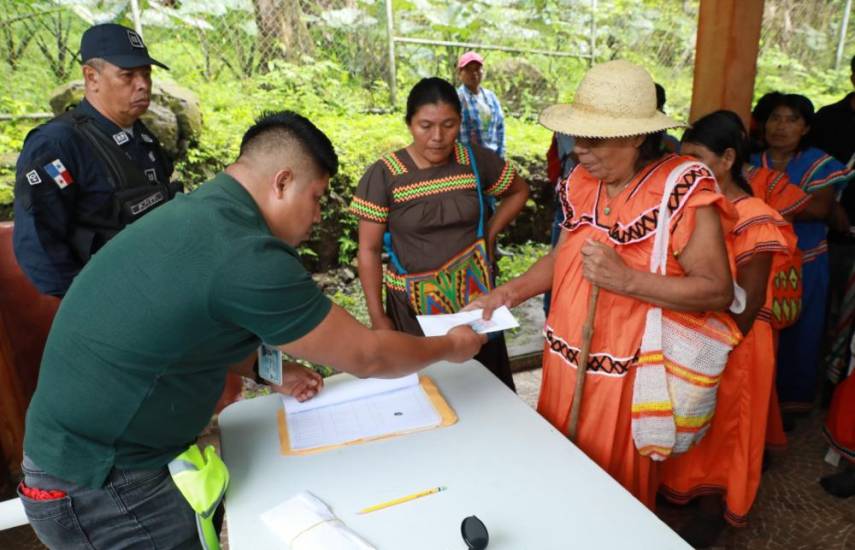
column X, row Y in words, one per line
column 282, row 33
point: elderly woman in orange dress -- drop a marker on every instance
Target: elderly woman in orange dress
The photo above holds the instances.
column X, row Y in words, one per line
column 724, row 468
column 611, row 201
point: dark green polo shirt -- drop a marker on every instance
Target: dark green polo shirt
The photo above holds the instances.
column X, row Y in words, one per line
column 138, row 353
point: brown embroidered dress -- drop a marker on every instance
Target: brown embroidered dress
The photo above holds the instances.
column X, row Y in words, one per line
column 432, row 215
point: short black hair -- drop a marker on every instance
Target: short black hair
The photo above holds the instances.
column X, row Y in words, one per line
column 660, row 97
column 284, row 125
column 852, row 64
column 430, row 91
column 718, row 132
column 800, row 105
column 764, row 107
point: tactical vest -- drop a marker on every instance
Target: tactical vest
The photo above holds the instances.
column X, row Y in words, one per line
column 134, row 195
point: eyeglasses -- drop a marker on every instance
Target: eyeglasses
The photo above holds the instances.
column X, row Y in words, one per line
column 474, row 533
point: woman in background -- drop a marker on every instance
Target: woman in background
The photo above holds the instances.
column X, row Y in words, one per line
column 724, row 468
column 822, row 177
column 429, row 197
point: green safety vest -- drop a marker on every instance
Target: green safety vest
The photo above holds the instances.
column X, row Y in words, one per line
column 202, row 479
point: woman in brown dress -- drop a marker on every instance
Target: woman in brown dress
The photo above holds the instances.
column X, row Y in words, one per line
column 429, row 200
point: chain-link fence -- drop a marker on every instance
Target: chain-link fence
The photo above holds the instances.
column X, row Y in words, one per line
column 536, row 50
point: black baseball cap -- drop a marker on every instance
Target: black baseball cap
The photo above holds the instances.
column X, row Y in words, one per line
column 119, row 45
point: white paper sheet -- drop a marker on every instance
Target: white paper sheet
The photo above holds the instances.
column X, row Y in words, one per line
column 439, row 325
column 345, row 389
column 304, row 522
column 371, row 410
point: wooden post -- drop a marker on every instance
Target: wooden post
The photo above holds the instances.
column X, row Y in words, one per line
column 390, row 37
column 726, row 57
column 841, row 41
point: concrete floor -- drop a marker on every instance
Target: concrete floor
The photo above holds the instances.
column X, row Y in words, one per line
column 791, row 511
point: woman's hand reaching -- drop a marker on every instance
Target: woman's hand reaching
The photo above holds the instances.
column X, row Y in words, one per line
column 500, row 296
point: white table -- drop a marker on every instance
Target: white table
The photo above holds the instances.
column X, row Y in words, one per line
column 532, row 488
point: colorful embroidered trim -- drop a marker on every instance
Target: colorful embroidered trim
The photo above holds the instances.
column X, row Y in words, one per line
column 369, row 210
column 447, row 290
column 796, row 206
column 394, row 281
column 461, row 154
column 433, row 187
column 814, row 253
column 759, row 220
column 759, row 248
column 596, row 362
column 786, row 293
column 645, row 225
column 504, row 181
column 774, row 183
column 840, row 176
column 394, row 164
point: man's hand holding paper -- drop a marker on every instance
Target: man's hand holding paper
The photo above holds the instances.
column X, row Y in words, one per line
column 438, row 325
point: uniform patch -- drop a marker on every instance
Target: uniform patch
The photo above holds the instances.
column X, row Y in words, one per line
column 121, row 138
column 33, row 177
column 147, row 138
column 146, row 203
column 59, row 173
column 135, row 39
column 151, row 175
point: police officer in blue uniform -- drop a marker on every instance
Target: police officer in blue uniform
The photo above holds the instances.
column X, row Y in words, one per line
column 86, row 174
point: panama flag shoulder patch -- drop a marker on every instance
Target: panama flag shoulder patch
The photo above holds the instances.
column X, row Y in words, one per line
column 59, row 173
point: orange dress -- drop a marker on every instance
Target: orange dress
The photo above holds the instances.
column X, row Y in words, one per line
column 729, row 458
column 776, row 190
column 627, row 223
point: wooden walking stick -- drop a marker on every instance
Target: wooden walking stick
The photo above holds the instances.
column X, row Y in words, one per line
column 582, row 363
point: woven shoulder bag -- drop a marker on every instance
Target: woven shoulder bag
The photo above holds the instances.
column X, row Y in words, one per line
column 681, row 360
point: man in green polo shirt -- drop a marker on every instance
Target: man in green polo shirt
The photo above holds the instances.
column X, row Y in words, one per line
column 139, row 350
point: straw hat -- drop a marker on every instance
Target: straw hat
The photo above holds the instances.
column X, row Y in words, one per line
column 615, row 99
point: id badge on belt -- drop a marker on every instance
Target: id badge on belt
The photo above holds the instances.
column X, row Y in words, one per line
column 270, row 364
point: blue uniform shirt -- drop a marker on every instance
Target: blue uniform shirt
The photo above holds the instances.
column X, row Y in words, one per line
column 61, row 178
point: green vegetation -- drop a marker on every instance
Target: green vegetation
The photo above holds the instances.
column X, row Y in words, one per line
column 224, row 52
column 521, row 258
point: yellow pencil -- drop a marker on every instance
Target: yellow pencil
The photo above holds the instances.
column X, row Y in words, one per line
column 400, row 500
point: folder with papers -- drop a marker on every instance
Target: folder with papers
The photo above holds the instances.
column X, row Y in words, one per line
column 350, row 411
